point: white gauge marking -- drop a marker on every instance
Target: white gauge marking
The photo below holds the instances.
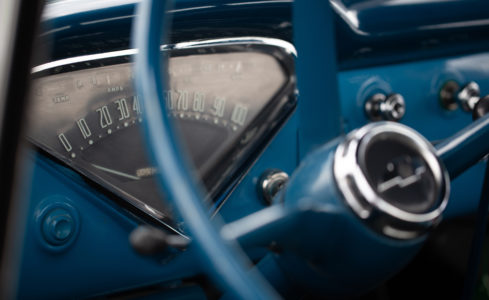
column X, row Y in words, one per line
column 239, row 67
column 64, row 141
column 115, row 172
column 239, row 114
column 199, row 102
column 105, row 119
column 182, row 101
column 401, row 182
column 135, row 105
column 219, row 105
column 82, row 124
column 122, row 108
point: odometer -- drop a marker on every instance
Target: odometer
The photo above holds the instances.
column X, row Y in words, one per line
column 226, row 99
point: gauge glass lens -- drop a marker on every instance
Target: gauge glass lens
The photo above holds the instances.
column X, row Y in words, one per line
column 221, row 103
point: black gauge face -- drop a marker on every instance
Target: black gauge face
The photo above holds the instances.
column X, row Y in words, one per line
column 400, row 175
column 224, row 105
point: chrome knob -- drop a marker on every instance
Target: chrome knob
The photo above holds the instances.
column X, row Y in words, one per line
column 469, row 95
column 385, row 107
column 270, row 183
column 391, row 178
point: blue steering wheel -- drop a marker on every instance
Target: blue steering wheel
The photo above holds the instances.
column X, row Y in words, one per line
column 220, row 257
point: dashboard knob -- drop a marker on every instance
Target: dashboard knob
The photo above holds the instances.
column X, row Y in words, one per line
column 481, row 108
column 385, row 107
column 469, row 96
column 471, row 101
column 149, row 240
column 270, row 183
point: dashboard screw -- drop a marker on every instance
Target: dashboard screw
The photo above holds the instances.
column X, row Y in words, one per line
column 481, row 108
column 58, row 226
column 58, row 223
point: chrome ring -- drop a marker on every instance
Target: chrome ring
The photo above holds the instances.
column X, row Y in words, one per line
column 366, row 203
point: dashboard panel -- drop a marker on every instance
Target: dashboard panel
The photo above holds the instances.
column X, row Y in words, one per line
column 100, row 260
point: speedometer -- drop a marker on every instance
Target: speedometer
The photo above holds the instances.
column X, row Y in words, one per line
column 227, row 98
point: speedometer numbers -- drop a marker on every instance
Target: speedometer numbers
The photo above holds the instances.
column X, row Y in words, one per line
column 194, row 105
column 99, row 123
column 124, row 112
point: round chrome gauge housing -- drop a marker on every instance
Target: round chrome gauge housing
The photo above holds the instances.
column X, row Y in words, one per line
column 391, row 178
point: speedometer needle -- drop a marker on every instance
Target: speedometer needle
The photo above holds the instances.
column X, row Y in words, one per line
column 115, row 172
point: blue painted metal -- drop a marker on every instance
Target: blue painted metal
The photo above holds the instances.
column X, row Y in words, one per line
column 446, row 27
column 100, row 260
column 282, row 154
column 58, row 222
column 318, row 103
column 380, row 32
column 466, row 147
column 221, row 260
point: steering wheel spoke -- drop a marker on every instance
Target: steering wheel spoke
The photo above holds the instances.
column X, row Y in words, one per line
column 264, row 227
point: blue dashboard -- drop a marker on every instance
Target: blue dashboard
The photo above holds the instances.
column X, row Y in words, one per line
column 386, row 47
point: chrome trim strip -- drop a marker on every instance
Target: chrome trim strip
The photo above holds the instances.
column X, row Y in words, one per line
column 288, row 47
column 81, row 59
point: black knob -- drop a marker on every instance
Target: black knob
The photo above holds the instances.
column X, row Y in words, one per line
column 481, row 108
column 148, row 240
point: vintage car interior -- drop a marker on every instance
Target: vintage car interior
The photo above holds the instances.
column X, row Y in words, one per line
column 244, row 149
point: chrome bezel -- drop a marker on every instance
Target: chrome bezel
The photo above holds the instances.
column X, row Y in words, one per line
column 366, row 203
column 283, row 51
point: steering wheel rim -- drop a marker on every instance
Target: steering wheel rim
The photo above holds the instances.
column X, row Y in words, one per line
column 222, row 260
